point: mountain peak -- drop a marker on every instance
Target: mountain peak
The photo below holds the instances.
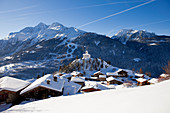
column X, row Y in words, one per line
column 125, row 35
column 41, row 24
column 56, row 26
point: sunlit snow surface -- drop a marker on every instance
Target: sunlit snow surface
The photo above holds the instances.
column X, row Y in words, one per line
column 145, row 99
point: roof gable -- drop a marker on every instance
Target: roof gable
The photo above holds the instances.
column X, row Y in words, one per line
column 57, row 86
column 12, row 84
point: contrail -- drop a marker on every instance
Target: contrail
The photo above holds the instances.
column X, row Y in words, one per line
column 15, row 10
column 100, row 5
column 116, row 13
column 152, row 23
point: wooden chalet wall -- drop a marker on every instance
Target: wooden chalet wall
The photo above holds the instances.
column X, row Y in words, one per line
column 115, row 82
column 40, row 93
column 142, row 83
column 122, row 74
column 8, row 96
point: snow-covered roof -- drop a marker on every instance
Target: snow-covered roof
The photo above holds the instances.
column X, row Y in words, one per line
column 153, row 80
column 75, row 73
column 102, row 87
column 102, row 76
column 88, row 87
column 112, row 78
column 112, row 73
column 93, row 77
column 78, row 79
column 12, row 84
column 66, row 75
column 57, row 86
column 141, row 80
column 97, row 72
column 99, row 86
column 164, row 75
column 71, row 88
column 139, row 75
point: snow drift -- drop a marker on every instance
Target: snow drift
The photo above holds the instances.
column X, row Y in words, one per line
column 146, row 99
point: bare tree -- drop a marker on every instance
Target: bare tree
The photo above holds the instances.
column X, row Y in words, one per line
column 167, row 68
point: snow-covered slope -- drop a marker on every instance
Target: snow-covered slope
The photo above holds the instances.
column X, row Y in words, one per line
column 146, row 99
column 29, row 36
column 125, row 35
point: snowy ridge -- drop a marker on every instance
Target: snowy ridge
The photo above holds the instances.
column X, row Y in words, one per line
column 44, row 32
column 125, row 35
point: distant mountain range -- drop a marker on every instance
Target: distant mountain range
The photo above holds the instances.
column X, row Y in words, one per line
column 43, row 48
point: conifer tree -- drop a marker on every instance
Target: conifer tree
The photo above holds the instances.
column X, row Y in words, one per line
column 141, row 71
column 38, row 76
column 148, row 74
column 77, row 57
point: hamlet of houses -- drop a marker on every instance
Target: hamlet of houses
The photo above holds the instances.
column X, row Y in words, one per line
column 14, row 90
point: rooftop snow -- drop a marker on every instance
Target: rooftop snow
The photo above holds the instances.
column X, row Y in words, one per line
column 75, row 73
column 153, row 80
column 164, row 75
column 97, row 72
column 112, row 78
column 71, row 88
column 78, row 79
column 102, row 76
column 139, row 75
column 57, row 86
column 111, row 73
column 12, row 84
column 141, row 80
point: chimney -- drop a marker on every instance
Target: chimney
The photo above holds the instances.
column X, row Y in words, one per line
column 48, row 81
column 55, row 78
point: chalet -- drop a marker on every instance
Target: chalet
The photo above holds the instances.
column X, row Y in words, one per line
column 163, row 77
column 10, row 88
column 44, row 87
column 153, row 81
column 127, row 84
column 71, row 88
column 118, row 73
column 122, row 73
column 76, row 73
column 96, row 74
column 141, row 82
column 112, row 80
column 90, row 89
column 102, row 78
column 78, row 80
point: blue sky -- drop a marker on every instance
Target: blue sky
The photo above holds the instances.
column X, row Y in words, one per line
column 91, row 15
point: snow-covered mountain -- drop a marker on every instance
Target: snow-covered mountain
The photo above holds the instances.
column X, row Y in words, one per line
column 44, row 32
column 43, row 48
column 29, row 36
column 125, row 35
